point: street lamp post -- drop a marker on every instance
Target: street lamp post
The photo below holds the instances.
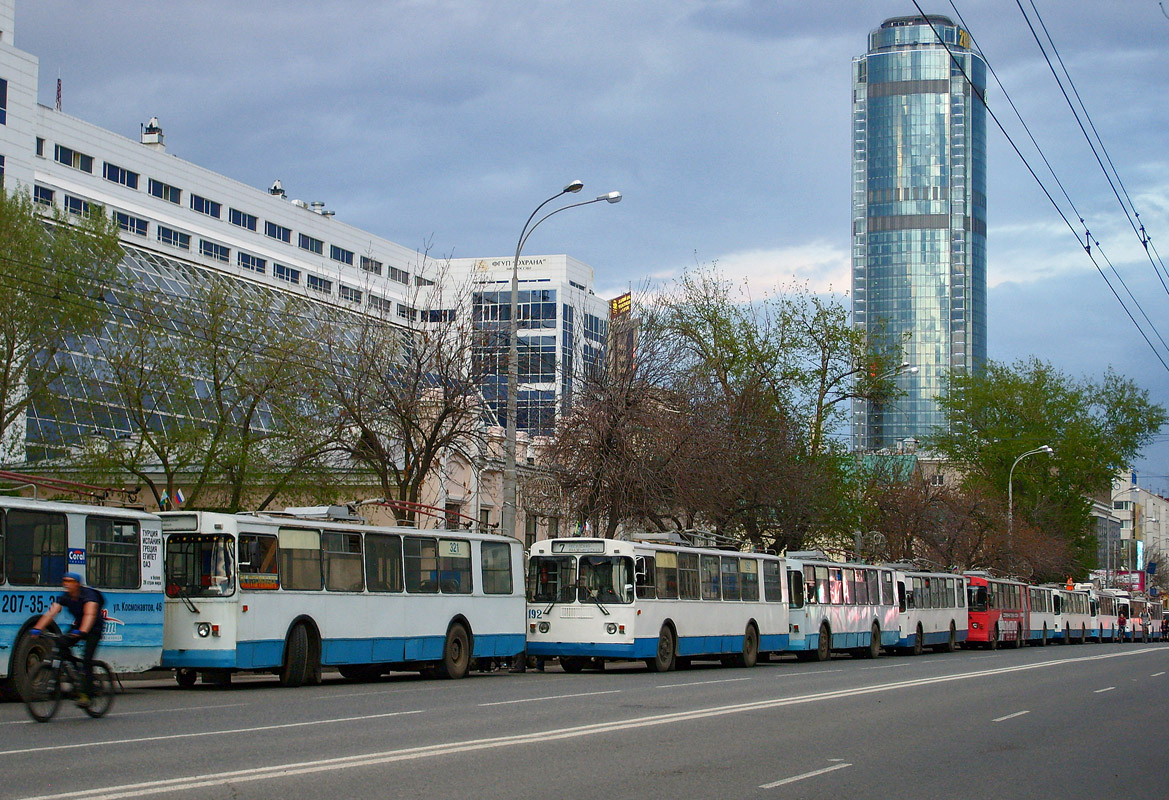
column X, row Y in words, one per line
column 508, row 515
column 1011, row 496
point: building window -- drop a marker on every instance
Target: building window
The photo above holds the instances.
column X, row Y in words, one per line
column 938, row 480
column 205, row 206
column 318, row 284
column 213, row 250
column 406, row 312
column 71, row 158
column 117, row 174
column 274, row 231
column 174, row 238
column 165, row 191
column 399, row 275
column 40, row 147
column 371, row 265
column 43, row 195
column 3, row 102
column 420, row 281
column 341, row 254
column 75, row 205
column 380, row 303
column 312, row 245
column 286, row 273
column 349, row 293
column 242, row 219
column 131, row 224
column 254, row 263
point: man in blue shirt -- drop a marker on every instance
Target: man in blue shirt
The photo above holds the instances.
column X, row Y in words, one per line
column 85, row 604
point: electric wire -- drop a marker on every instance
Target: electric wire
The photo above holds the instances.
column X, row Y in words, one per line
column 1086, row 243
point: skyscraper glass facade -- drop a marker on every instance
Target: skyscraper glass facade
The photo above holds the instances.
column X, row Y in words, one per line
column 919, row 215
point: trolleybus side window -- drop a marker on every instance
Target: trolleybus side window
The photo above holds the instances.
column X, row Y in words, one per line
column 383, row 562
column 730, row 578
column 111, row 553
column 823, row 588
column 860, row 587
column 874, row 579
column 710, row 573
column 749, row 577
column 811, row 595
column 496, row 568
column 300, row 559
column 688, row 583
column 257, row 562
column 3, row 556
column 36, row 548
column 886, row 588
column 341, row 553
column 960, row 591
column 773, row 582
column 454, row 566
column 421, row 557
column 644, row 576
column 667, row 576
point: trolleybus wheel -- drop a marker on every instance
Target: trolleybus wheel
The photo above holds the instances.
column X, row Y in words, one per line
column 186, row 677
column 1043, row 641
column 952, row 642
column 1083, row 633
column 824, row 646
column 993, row 644
column 918, row 644
column 1018, row 637
column 295, row 669
column 456, row 653
column 571, row 664
column 874, row 648
column 667, row 652
column 1067, row 635
column 750, row 654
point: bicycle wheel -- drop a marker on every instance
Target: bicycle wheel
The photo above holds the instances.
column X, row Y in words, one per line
column 102, row 697
column 42, row 693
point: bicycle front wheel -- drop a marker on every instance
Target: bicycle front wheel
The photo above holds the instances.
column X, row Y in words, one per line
column 103, row 690
column 42, row 693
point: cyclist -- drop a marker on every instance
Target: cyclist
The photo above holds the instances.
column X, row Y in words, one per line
column 85, row 604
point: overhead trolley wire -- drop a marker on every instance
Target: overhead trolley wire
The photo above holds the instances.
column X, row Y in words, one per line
column 1088, row 240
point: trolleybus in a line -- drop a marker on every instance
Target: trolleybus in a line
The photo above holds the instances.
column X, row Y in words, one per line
column 115, row 550
column 840, row 607
column 596, row 600
column 293, row 593
column 997, row 610
column 931, row 610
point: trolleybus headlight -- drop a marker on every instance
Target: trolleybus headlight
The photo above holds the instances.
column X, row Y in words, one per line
column 611, row 628
column 544, row 626
column 203, row 629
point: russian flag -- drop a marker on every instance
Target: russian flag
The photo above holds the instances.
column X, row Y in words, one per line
column 180, row 498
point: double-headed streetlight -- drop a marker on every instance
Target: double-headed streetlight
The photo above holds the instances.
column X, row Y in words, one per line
column 508, row 517
column 1010, row 492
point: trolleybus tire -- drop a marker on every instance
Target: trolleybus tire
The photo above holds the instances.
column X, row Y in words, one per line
column 30, row 653
column 918, row 643
column 571, row 664
column 295, row 669
column 186, row 677
column 750, row 654
column 874, row 648
column 952, row 643
column 1019, row 640
column 666, row 654
column 1067, row 635
column 993, row 644
column 823, row 650
column 456, row 653
column 1083, row 633
column 1044, row 640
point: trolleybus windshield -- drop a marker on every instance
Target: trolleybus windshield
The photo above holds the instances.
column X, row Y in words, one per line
column 199, row 566
column 977, row 598
column 552, row 579
column 606, row 579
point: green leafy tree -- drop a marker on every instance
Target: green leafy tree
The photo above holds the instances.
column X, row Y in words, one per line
column 1095, row 427
column 54, row 270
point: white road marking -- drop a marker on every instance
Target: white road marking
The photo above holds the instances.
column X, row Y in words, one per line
column 1011, row 716
column 806, row 775
column 139, row 740
column 888, row 666
column 700, row 683
column 1156, row 674
column 538, row 737
column 552, row 697
column 184, row 708
column 1105, row 689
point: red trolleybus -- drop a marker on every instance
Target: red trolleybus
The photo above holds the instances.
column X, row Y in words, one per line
column 997, row 609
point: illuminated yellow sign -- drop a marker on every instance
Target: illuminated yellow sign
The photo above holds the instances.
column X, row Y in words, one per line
column 963, row 39
column 620, row 306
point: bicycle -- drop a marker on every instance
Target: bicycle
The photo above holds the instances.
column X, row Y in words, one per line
column 62, row 676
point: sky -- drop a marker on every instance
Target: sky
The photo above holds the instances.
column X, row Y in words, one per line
column 726, row 126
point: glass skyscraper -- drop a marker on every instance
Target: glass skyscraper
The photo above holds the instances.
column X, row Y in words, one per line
column 919, row 215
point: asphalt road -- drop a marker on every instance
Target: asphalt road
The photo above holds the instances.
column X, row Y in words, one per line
column 1069, row 722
